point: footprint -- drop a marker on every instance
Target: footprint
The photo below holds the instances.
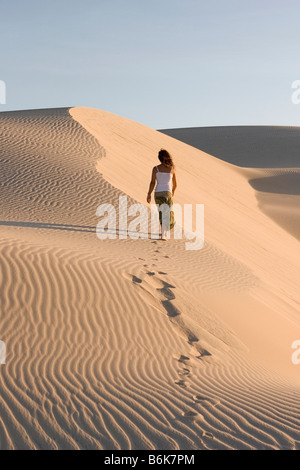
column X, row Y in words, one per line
column 189, row 414
column 205, row 400
column 203, row 352
column 136, row 280
column 166, row 289
column 151, row 273
column 169, row 295
column 198, row 398
column 161, row 272
column 171, row 310
column 182, row 358
column 209, row 435
column 191, row 337
column 184, row 371
column 181, row 383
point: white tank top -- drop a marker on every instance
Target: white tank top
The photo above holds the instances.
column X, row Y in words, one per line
column 163, row 181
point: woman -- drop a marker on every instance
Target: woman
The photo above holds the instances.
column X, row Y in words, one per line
column 165, row 178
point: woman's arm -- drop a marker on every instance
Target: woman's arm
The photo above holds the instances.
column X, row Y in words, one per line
column 151, row 185
column 174, row 181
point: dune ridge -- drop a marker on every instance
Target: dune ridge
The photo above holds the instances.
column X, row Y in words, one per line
column 125, row 344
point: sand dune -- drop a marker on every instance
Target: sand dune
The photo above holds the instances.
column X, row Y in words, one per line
column 246, row 146
column 131, row 344
column 278, row 196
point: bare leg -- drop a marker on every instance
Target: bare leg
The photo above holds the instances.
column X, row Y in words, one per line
column 164, row 233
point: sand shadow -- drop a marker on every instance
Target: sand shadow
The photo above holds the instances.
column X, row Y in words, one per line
column 73, row 228
column 47, row 225
column 284, row 183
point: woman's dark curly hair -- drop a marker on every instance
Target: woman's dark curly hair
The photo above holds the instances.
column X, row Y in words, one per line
column 165, row 158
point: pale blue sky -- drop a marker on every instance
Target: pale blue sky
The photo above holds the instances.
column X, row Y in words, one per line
column 164, row 63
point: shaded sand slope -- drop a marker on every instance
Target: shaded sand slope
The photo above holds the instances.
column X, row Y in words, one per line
column 247, row 146
column 127, row 343
column 278, row 196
